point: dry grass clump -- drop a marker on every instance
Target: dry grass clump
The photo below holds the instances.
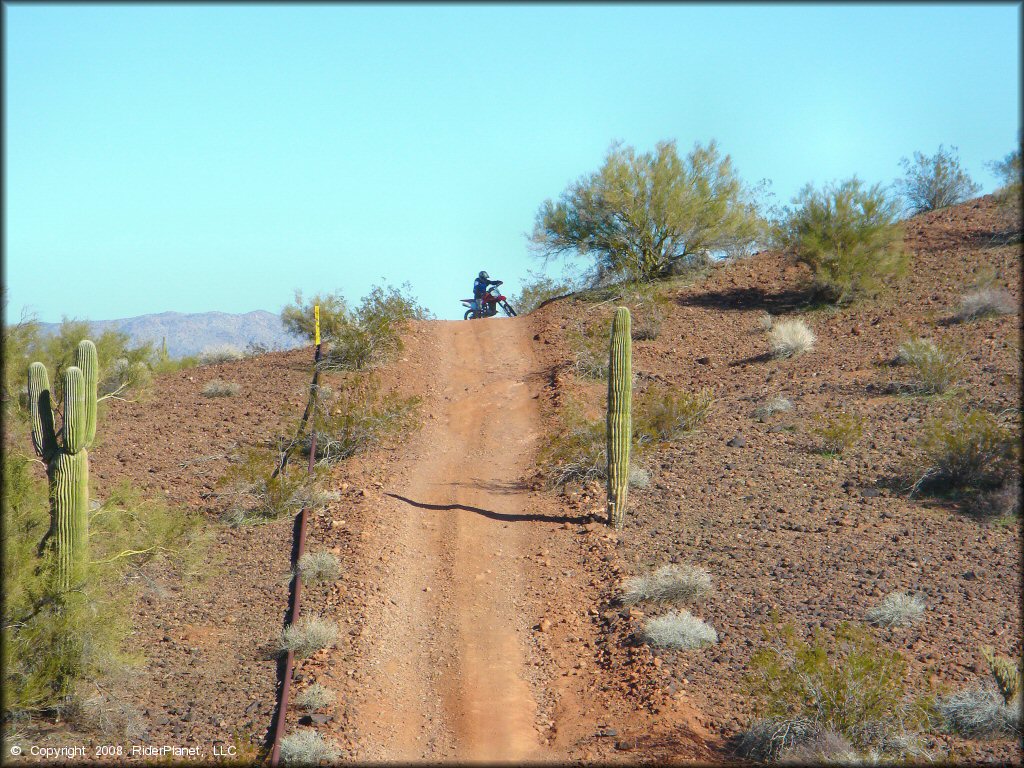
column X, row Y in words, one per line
column 222, row 353
column 306, row 748
column 1003, row 502
column 775, row 405
column 668, row 584
column 319, row 566
column 839, row 431
column 679, row 629
column 315, row 697
column 221, row 388
column 309, row 635
column 986, row 302
column 935, row 369
column 979, row 712
column 639, row 477
column 576, row 454
column 765, row 321
column 767, row 739
column 790, row 338
column 897, row 609
column 967, row 449
column 662, row 413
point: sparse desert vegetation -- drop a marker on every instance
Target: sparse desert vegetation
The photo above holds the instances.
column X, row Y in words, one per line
column 319, row 566
column 790, row 338
column 985, row 302
column 897, row 609
column 306, row 747
column 679, row 630
column 220, row 388
column 309, row 635
column 668, row 584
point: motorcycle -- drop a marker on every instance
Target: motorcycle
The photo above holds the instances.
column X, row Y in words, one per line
column 491, row 301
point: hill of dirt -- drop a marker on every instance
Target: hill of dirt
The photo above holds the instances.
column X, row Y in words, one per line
column 477, row 609
column 783, row 528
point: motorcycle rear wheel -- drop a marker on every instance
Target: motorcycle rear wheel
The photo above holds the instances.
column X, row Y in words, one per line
column 470, row 314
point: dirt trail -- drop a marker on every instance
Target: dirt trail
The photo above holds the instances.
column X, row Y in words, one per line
column 447, row 644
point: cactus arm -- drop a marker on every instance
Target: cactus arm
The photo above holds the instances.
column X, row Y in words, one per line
column 620, row 418
column 44, row 438
column 75, row 411
column 86, row 360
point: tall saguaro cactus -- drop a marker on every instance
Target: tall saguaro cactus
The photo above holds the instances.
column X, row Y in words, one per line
column 67, row 456
column 620, row 416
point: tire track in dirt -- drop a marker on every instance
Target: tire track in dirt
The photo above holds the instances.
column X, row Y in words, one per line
column 445, row 663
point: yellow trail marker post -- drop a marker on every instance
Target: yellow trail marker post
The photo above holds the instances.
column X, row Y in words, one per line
column 316, row 321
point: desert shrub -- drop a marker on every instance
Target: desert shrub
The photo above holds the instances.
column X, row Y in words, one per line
column 966, row 449
column 1009, row 171
column 979, row 712
column 589, row 343
column 360, row 417
column 662, row 413
column 164, row 365
column 839, row 431
column 220, row 353
column 897, row 609
column 678, row 629
column 576, row 453
column 767, row 739
column 668, row 584
column 822, row 746
column 775, row 405
column 1003, row 502
column 58, row 647
column 850, row 684
column 307, row 748
column 538, row 289
column 315, row 697
column 790, row 338
column 765, row 321
column 220, row 388
column 19, row 339
column 299, row 318
column 372, row 333
column 934, row 369
column 935, row 182
column 986, row 302
column 850, row 237
column 256, row 495
column 638, row 477
column 319, row 566
column 308, row 635
column 1006, row 673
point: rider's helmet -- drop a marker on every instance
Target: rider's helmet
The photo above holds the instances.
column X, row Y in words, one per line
column 484, row 276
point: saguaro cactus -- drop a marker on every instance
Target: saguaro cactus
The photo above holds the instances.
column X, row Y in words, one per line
column 620, row 416
column 67, row 457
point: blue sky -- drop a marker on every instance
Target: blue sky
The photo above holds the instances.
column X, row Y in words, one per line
column 196, row 158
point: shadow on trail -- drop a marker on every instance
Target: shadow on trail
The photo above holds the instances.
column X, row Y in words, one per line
column 500, row 516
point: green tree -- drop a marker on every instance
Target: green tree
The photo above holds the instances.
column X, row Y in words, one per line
column 935, row 182
column 1009, row 171
column 298, row 318
column 849, row 236
column 644, row 215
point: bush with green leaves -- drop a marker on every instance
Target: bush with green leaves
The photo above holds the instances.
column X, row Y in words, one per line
column 849, row 236
column 967, row 449
column 668, row 584
column 645, row 215
column 1009, row 171
column 930, row 183
column 57, row 645
column 299, row 319
column 662, row 413
column 849, row 683
column 839, row 431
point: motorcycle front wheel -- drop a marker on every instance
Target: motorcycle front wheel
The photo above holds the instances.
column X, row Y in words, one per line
column 508, row 309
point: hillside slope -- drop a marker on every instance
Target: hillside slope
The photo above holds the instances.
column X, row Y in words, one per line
column 782, row 527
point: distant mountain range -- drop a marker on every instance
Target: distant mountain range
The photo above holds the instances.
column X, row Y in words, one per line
column 191, row 334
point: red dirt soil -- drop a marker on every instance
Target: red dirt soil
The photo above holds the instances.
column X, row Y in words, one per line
column 477, row 610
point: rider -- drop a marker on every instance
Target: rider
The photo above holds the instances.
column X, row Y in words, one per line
column 480, row 285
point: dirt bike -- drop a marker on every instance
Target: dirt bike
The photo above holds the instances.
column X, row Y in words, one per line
column 489, row 304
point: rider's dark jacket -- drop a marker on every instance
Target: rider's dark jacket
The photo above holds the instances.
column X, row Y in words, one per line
column 480, row 286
